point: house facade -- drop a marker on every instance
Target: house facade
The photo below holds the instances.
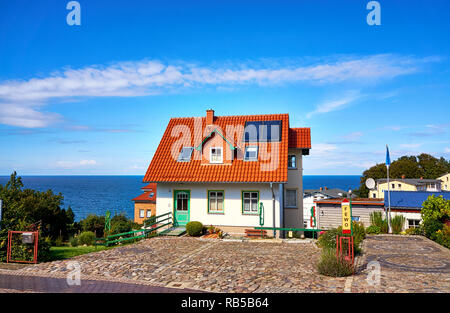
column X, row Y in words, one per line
column 445, row 181
column 309, row 207
column 232, row 172
column 404, row 184
column 145, row 204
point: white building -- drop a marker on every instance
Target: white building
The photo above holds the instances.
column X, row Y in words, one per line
column 232, row 172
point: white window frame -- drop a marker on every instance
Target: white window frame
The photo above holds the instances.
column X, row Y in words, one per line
column 255, row 149
column 149, row 213
column 211, row 155
column 286, row 205
column 141, row 213
column 215, row 199
column 252, row 200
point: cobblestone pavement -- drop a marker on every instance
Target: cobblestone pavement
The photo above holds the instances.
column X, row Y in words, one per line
column 205, row 265
column 407, row 264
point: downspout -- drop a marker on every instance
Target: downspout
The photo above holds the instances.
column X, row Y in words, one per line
column 281, row 192
column 273, row 210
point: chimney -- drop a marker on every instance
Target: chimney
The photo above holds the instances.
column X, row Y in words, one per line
column 421, row 177
column 403, row 176
column 326, row 188
column 320, row 188
column 209, row 117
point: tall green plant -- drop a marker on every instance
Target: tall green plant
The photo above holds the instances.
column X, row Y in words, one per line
column 376, row 219
column 397, row 224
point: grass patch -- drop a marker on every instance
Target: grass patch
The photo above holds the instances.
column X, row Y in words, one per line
column 331, row 265
column 65, row 252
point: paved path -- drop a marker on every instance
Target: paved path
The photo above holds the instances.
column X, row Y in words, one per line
column 22, row 283
column 164, row 264
column 407, row 264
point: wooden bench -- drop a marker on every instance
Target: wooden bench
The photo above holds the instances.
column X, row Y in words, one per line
column 255, row 233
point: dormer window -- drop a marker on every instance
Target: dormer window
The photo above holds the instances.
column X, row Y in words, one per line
column 216, row 155
column 185, row 154
column 251, row 153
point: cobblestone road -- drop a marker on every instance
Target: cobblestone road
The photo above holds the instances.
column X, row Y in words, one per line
column 408, row 264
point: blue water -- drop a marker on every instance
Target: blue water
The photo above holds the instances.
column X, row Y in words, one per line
column 97, row 194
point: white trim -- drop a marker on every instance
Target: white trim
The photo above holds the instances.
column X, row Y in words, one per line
column 221, row 155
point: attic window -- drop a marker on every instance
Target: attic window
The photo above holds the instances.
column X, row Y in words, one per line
column 216, row 155
column 185, row 154
column 151, row 195
column 251, row 153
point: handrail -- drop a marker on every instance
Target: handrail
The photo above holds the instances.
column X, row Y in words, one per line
column 261, row 214
column 289, row 229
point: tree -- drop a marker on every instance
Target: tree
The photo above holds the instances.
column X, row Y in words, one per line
column 424, row 165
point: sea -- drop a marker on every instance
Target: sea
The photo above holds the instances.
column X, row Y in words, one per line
column 98, row 194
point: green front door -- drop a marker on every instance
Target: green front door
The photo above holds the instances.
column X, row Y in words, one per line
column 181, row 207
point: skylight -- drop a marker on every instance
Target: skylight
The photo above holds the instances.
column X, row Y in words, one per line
column 262, row 131
column 185, row 154
column 251, row 153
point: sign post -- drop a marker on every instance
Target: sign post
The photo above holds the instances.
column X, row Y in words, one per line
column 347, row 229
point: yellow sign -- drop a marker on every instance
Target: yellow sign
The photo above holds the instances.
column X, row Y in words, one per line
column 346, row 218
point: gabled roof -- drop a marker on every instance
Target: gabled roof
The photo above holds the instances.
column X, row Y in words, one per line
column 411, row 199
column 165, row 168
column 148, row 196
column 300, row 138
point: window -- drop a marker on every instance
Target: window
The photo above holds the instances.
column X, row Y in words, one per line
column 215, row 201
column 355, row 218
column 305, row 224
column 292, row 162
column 290, row 199
column 251, row 153
column 374, row 195
column 185, row 154
column 141, row 213
column 215, row 155
column 393, row 186
column 413, row 223
column 149, row 213
column 151, row 195
column 262, row 131
column 399, row 185
column 250, row 202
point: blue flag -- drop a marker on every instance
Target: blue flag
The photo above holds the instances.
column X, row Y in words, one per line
column 388, row 159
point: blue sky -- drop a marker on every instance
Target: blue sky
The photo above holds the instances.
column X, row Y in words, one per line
column 96, row 98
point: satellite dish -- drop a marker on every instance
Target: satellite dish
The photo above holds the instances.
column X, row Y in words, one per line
column 370, row 183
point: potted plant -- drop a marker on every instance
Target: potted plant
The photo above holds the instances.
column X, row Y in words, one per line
column 211, row 230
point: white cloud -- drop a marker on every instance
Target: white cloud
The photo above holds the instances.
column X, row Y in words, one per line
column 320, row 149
column 21, row 100
column 335, row 104
column 447, row 150
column 73, row 164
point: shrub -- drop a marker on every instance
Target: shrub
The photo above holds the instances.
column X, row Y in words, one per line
column 87, row 238
column 74, row 241
column 194, row 228
column 414, row 231
column 120, row 227
column 430, row 227
column 443, row 236
column 397, row 224
column 328, row 239
column 373, row 229
column 58, row 241
column 376, row 219
column 331, row 265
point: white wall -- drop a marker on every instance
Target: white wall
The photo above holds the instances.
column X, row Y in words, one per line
column 232, row 215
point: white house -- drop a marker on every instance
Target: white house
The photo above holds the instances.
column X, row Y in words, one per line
column 233, row 172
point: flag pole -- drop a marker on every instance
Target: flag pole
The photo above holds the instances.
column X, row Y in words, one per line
column 389, row 195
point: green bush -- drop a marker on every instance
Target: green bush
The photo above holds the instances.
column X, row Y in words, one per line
column 373, row 229
column 331, row 265
column 376, row 219
column 58, row 241
column 328, row 239
column 74, row 242
column 443, row 236
column 430, row 227
column 120, row 227
column 397, row 224
column 194, row 228
column 86, row 238
column 414, row 231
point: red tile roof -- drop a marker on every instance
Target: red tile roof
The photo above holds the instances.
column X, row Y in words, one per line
column 149, row 187
column 300, row 138
column 165, row 168
column 146, row 197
